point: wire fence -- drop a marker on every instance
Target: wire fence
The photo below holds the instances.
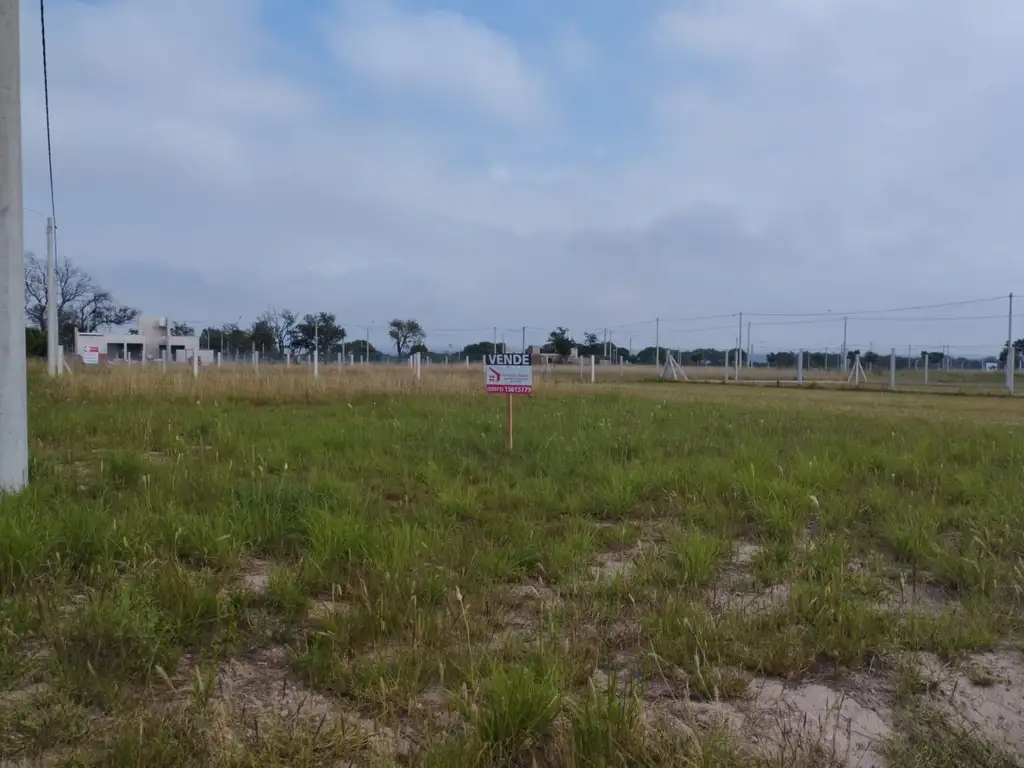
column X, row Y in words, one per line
column 959, row 344
column 962, row 335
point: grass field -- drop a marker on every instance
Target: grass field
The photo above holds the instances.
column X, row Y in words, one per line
column 234, row 571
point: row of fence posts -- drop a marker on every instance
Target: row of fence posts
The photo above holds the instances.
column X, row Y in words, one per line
column 416, row 365
column 415, row 362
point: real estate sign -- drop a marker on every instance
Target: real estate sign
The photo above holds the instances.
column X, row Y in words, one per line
column 91, row 355
column 509, row 374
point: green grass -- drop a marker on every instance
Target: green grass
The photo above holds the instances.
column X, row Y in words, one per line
column 405, row 567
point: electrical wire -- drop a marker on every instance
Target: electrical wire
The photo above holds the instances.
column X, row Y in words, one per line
column 875, row 311
column 49, row 140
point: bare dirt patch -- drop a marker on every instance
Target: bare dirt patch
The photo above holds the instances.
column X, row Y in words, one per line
column 808, row 723
column 256, row 576
column 845, row 729
column 752, row 602
column 613, row 565
column 259, row 690
column 984, row 695
column 920, row 598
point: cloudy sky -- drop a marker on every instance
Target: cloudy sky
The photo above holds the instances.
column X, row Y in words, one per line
column 588, row 163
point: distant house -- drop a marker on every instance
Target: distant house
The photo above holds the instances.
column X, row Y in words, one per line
column 148, row 342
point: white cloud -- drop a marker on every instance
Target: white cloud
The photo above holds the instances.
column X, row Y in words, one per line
column 800, row 156
column 443, row 55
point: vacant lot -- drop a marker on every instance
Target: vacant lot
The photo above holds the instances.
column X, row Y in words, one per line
column 272, row 572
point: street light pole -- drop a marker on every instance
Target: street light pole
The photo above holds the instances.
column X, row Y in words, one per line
column 13, row 378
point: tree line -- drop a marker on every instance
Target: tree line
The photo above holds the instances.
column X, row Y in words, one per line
column 83, row 304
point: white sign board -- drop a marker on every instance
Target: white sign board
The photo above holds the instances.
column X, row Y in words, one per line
column 91, row 355
column 509, row 374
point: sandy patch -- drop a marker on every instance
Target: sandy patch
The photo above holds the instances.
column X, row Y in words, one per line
column 256, row 576
column 985, row 695
column 260, row 690
column 804, row 724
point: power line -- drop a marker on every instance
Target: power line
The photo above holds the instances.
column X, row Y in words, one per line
column 49, row 141
column 876, row 311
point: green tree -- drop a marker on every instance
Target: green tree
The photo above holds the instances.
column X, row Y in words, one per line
column 179, row 328
column 263, row 337
column 358, row 348
column 406, row 334
column 35, row 342
column 236, row 339
column 317, row 331
column 1018, row 346
column 781, row 359
column 560, row 342
column 481, row 348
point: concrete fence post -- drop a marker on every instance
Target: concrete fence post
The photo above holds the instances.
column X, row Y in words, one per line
column 800, row 367
column 892, row 369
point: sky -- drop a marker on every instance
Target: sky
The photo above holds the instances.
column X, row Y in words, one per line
column 582, row 163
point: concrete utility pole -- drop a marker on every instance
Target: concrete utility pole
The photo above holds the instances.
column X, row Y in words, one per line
column 845, row 366
column 739, row 349
column 1011, row 353
column 657, row 341
column 13, row 382
column 52, row 331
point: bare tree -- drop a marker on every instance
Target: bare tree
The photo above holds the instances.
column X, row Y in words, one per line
column 280, row 324
column 81, row 302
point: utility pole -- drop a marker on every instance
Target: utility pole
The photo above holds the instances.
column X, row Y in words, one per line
column 13, row 378
column 739, row 349
column 316, row 346
column 844, row 344
column 524, row 339
column 52, row 330
column 1011, row 356
column 750, row 346
column 494, row 342
column 657, row 342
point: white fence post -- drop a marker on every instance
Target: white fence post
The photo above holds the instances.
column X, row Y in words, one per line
column 593, row 369
column 800, row 367
column 892, row 369
column 256, row 362
column 163, row 360
column 726, row 379
column 316, row 363
column 926, row 369
column 195, row 363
